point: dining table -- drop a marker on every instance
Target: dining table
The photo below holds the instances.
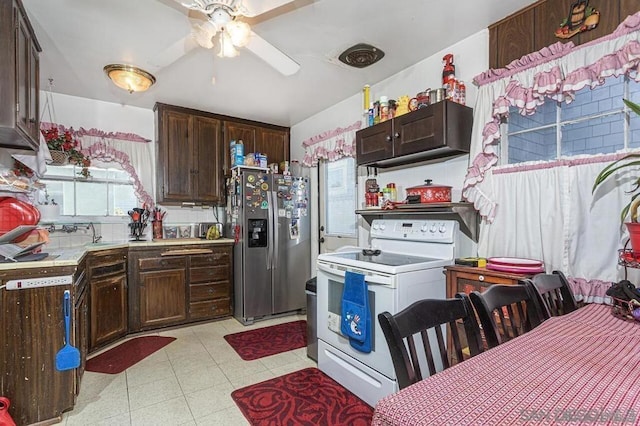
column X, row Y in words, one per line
column 579, row 368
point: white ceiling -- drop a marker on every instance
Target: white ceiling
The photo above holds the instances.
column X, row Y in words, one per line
column 79, row 37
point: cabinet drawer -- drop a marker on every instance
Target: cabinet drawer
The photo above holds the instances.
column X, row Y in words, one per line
column 208, row 291
column 210, row 309
column 162, row 263
column 486, row 278
column 212, row 273
column 218, row 257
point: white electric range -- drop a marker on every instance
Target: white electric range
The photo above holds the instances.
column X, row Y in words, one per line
column 404, row 264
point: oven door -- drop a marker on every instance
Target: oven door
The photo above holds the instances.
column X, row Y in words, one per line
column 382, row 297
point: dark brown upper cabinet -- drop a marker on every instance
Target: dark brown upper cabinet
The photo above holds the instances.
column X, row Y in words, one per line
column 268, row 139
column 19, row 79
column 436, row 131
column 189, row 156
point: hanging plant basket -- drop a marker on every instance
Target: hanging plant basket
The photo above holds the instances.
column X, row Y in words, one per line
column 59, row 158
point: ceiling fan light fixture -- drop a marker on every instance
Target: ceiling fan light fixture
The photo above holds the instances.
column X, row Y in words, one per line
column 203, row 34
column 129, row 78
column 227, row 50
column 239, row 32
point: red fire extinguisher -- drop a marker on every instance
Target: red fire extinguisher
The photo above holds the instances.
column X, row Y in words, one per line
column 5, row 418
column 448, row 75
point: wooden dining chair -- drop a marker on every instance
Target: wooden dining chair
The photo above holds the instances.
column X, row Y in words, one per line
column 426, row 318
column 554, row 294
column 506, row 311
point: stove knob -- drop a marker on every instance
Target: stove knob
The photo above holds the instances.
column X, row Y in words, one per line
column 375, row 226
column 382, row 226
column 424, row 228
column 433, row 228
column 442, row 229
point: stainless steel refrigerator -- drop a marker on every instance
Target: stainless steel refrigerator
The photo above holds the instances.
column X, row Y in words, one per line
column 272, row 254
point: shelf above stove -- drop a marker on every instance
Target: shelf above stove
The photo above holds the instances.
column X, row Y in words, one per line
column 464, row 213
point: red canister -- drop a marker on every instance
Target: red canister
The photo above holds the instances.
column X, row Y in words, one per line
column 431, row 193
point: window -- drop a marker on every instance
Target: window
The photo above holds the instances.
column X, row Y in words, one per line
column 596, row 122
column 109, row 192
column 340, row 197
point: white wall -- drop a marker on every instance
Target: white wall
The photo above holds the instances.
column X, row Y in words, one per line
column 471, row 57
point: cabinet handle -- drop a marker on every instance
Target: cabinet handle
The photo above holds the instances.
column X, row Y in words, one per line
column 480, row 277
column 396, row 135
column 388, row 138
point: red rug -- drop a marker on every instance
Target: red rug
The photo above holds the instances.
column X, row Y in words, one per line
column 261, row 342
column 123, row 356
column 305, row 397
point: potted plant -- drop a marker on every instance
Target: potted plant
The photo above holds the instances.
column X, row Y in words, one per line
column 64, row 148
column 631, row 209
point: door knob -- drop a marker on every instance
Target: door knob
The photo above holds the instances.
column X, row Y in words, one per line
column 321, row 240
column 322, row 228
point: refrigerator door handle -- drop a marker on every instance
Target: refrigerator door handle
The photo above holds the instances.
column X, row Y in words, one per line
column 276, row 230
column 270, row 233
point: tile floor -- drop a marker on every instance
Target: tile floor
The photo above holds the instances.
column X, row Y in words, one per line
column 188, row 382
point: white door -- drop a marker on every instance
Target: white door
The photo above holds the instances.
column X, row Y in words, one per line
column 338, row 193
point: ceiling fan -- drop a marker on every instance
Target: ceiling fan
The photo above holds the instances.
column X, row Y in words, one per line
column 224, row 29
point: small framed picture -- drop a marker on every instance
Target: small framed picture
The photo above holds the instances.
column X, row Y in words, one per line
column 171, row 232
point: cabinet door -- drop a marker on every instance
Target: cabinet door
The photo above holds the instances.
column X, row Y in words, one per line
column 207, row 159
column 176, row 166
column 419, row 130
column 162, row 297
column 34, row 88
column 274, row 143
column 81, row 321
column 374, row 143
column 23, row 57
column 234, row 131
column 108, row 309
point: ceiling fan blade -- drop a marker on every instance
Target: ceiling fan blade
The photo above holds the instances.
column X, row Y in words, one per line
column 272, row 55
column 258, row 7
column 174, row 52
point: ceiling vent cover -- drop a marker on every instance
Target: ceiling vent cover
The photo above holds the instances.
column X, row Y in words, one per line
column 361, row 55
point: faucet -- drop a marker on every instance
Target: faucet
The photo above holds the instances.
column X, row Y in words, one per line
column 94, row 238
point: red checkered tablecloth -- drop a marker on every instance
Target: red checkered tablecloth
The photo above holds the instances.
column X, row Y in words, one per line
column 582, row 368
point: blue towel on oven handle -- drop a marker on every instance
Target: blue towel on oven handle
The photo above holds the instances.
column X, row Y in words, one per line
column 356, row 317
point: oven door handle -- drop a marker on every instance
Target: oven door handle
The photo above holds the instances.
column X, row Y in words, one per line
column 341, row 272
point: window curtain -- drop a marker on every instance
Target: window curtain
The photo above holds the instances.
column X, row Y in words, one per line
column 133, row 153
column 546, row 210
column 331, row 145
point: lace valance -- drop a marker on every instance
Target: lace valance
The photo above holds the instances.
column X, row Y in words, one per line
column 556, row 72
column 133, row 153
column 331, row 145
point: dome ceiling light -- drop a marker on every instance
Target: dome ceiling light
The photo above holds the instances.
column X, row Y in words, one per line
column 129, row 78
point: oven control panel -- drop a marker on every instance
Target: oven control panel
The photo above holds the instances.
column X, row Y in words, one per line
column 415, row 230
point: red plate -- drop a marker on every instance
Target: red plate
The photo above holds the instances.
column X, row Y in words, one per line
column 14, row 213
column 515, row 261
column 516, row 269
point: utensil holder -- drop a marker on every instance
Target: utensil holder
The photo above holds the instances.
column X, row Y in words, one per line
column 157, row 229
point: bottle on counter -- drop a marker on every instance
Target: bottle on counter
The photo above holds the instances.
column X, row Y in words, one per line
column 393, row 192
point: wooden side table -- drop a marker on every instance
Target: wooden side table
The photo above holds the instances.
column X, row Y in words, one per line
column 465, row 279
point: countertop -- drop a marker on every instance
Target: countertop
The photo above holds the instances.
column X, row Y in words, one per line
column 72, row 256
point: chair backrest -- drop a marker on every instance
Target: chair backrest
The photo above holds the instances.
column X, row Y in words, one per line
column 426, row 317
column 506, row 311
column 554, row 294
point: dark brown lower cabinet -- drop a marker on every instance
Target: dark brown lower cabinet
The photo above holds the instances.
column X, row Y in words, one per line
column 108, row 299
column 81, row 323
column 32, row 333
column 162, row 297
column 179, row 284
